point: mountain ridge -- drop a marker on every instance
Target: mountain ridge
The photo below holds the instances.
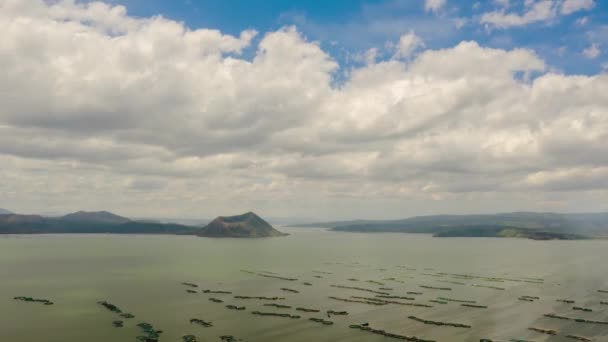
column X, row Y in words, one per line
column 95, row 216
column 527, row 224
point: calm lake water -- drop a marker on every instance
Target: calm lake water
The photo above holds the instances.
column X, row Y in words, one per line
column 143, row 276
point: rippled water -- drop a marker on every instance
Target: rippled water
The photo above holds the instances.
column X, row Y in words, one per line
column 143, row 275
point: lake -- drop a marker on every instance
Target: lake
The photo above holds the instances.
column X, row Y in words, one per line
column 143, row 275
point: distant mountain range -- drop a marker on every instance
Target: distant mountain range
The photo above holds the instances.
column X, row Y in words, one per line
column 95, row 216
column 83, row 223
column 4, row 212
column 248, row 225
column 518, row 224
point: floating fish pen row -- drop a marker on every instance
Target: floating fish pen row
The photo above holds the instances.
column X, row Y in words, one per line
column 113, row 308
column 579, row 320
column 189, row 284
column 436, row 288
column 489, row 287
column 279, row 306
column 395, row 280
column 377, row 300
column 201, row 322
column 474, row 306
column 189, row 338
column 568, row 301
column 528, row 298
column 307, row 310
column 259, row 297
column 322, row 272
column 110, row 306
column 578, row 308
column 289, row 290
column 533, row 279
column 270, row 275
column 235, row 307
column 337, row 313
column 360, row 289
column 150, row 334
column 216, row 300
column 372, row 299
column 357, row 301
column 275, row 314
column 436, row 275
column 532, row 297
column 321, row 320
column 451, row 282
column 494, row 279
column 426, row 321
column 457, row 300
column 217, row 292
column 395, row 297
column 579, row 338
column 544, row 331
column 406, row 268
column 375, row 282
column 34, row 300
column 365, row 327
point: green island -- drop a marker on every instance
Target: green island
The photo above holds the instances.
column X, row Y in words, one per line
column 248, row 225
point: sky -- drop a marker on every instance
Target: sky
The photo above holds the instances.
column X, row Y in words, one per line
column 310, row 109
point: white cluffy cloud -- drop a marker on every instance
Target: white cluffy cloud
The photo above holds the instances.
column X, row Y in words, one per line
column 592, row 51
column 100, row 109
column 434, row 5
column 571, row 6
column 408, row 43
column 534, row 11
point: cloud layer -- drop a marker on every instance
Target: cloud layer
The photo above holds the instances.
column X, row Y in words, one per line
column 144, row 115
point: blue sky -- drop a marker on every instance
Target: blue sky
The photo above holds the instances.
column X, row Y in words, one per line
column 348, row 27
